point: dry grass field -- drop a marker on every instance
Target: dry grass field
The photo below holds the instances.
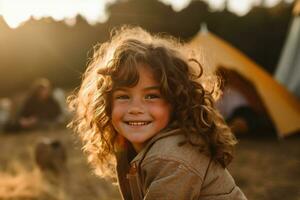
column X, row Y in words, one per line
column 263, row 168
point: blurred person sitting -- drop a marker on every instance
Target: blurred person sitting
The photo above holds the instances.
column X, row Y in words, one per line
column 39, row 110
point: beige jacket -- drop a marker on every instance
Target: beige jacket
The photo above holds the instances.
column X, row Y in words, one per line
column 163, row 170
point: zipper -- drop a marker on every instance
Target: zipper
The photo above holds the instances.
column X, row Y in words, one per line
column 134, row 182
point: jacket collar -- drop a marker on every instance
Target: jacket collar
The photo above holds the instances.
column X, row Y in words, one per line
column 162, row 134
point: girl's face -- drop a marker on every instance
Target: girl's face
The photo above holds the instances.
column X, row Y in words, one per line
column 140, row 112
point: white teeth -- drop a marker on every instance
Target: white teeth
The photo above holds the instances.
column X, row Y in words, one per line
column 137, row 123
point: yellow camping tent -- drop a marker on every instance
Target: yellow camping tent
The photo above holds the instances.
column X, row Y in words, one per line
column 296, row 9
column 281, row 105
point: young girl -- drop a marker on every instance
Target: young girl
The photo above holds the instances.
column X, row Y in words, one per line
column 145, row 118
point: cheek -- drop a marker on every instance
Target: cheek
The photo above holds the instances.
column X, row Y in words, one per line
column 116, row 111
column 162, row 112
column 115, row 117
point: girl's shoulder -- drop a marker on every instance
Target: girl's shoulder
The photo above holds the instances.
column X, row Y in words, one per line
column 201, row 178
column 166, row 148
column 164, row 159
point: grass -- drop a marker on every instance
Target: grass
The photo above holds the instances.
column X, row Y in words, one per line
column 264, row 168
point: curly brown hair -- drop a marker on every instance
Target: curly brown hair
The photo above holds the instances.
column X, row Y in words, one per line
column 182, row 84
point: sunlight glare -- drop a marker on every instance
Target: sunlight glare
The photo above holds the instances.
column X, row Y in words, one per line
column 11, row 18
column 16, row 12
column 177, row 5
column 241, row 7
column 270, row 3
column 216, row 4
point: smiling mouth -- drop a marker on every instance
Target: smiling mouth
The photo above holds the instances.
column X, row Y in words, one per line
column 139, row 123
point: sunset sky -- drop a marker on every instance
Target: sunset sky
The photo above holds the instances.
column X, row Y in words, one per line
column 15, row 12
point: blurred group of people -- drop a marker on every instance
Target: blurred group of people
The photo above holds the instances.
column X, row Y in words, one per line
column 43, row 107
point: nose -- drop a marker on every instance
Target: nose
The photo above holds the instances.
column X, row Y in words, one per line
column 136, row 107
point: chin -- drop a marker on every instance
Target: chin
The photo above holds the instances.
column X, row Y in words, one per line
column 137, row 140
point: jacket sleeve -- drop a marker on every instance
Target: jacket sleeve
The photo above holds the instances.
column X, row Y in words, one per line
column 170, row 179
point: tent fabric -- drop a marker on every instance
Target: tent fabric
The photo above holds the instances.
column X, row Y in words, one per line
column 282, row 106
column 296, row 10
column 288, row 68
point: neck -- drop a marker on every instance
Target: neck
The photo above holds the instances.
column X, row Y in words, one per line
column 138, row 147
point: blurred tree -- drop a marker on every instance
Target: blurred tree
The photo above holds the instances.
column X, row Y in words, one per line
column 59, row 52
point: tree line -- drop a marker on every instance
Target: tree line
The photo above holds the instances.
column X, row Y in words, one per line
column 46, row 48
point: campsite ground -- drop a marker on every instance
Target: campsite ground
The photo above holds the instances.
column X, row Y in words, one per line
column 263, row 168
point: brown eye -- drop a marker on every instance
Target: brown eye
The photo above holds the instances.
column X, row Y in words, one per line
column 152, row 96
column 122, row 97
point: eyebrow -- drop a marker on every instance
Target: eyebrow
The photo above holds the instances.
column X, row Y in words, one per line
column 155, row 87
